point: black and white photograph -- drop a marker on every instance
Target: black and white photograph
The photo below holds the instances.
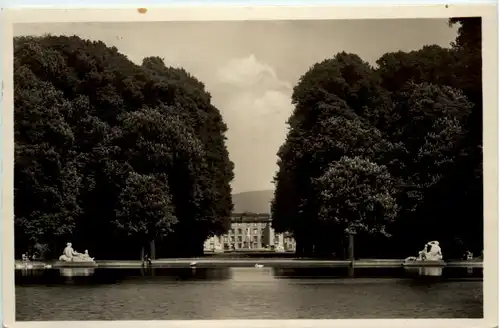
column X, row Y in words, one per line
column 249, row 169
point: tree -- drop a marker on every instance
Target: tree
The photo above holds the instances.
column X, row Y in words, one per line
column 345, row 77
column 94, row 118
column 411, row 116
column 47, row 180
column 431, row 64
column 145, row 211
column 213, row 194
column 469, row 197
column 468, row 46
column 431, row 129
column 338, row 104
column 356, row 194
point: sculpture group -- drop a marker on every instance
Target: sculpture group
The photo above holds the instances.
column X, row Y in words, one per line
column 70, row 255
column 431, row 252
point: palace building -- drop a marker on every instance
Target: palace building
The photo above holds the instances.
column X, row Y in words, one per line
column 250, row 231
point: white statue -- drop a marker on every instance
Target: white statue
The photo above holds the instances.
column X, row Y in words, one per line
column 411, row 258
column 86, row 257
column 70, row 255
column 431, row 252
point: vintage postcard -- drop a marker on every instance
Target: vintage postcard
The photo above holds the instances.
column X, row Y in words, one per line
column 250, row 166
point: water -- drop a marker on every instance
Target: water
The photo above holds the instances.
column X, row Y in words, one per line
column 246, row 293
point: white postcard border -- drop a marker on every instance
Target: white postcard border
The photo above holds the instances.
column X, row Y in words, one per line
column 234, row 13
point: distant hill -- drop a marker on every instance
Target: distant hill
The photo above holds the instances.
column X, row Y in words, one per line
column 253, row 201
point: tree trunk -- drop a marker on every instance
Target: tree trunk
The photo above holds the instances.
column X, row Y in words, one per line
column 341, row 249
column 351, row 247
column 54, row 250
column 152, row 249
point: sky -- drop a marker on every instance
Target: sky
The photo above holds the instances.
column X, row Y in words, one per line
column 250, row 67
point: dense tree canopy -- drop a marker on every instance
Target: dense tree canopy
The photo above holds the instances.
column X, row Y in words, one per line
column 357, row 195
column 112, row 155
column 393, row 152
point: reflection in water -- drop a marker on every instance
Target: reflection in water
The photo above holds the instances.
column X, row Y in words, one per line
column 76, row 272
column 426, row 271
column 431, row 271
column 183, row 274
column 31, row 272
column 252, row 274
column 314, row 273
column 249, row 293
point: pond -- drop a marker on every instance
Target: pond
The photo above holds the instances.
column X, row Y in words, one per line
column 247, row 293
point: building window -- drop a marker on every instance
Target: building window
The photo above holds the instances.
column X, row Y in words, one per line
column 239, row 231
column 255, row 238
column 232, row 238
column 239, row 245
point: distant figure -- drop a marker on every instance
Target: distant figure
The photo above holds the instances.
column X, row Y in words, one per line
column 469, row 255
column 147, row 260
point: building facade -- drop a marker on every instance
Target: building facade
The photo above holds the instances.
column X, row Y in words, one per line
column 250, row 231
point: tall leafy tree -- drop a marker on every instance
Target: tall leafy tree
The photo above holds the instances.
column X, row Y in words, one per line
column 416, row 118
column 145, row 211
column 468, row 203
column 357, row 195
column 47, row 180
column 331, row 120
column 92, row 119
